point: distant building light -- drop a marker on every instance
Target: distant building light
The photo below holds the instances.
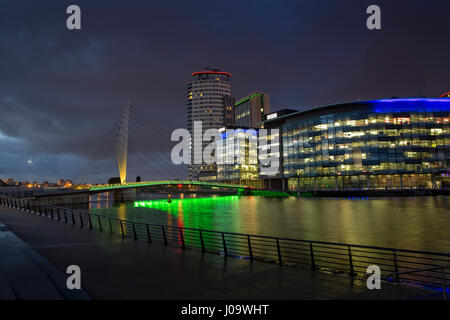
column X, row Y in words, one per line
column 222, row 129
column 271, row 116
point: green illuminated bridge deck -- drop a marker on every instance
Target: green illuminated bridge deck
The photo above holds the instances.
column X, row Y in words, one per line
column 241, row 190
column 214, row 185
column 106, row 187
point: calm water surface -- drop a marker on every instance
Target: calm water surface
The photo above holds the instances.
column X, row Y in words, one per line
column 420, row 223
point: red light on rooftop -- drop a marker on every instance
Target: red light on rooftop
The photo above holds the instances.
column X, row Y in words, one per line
column 212, row 72
column 445, row 95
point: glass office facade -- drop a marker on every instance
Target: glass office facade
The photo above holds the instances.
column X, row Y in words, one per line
column 382, row 144
column 237, row 157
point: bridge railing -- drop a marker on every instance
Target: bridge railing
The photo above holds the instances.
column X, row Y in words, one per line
column 167, row 182
column 349, row 259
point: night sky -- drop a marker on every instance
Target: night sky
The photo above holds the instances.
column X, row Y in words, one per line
column 62, row 91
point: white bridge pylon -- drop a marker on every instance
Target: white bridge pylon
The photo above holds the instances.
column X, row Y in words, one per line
column 121, row 143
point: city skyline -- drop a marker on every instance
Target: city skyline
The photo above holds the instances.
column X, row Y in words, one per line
column 62, row 90
column 224, row 158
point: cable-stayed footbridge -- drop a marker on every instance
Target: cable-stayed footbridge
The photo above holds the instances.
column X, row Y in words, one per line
column 151, row 149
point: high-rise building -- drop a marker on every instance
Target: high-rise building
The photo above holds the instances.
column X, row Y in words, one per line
column 249, row 111
column 208, row 96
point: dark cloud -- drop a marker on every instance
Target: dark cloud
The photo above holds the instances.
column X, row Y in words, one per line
column 61, row 91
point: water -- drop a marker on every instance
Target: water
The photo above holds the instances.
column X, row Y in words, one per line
column 418, row 223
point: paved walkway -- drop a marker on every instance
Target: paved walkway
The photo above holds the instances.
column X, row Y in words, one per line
column 113, row 268
column 26, row 275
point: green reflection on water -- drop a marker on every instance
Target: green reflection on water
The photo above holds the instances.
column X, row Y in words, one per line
column 199, row 203
column 191, row 212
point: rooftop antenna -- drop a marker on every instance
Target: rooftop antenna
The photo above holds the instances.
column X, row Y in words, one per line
column 212, row 69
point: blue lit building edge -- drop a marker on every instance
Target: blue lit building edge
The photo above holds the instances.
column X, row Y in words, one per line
column 411, row 105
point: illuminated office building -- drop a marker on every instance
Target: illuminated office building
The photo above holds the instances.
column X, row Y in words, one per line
column 249, row 111
column 237, row 154
column 380, row 144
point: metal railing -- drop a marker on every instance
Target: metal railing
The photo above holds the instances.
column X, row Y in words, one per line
column 440, row 270
column 166, row 182
column 349, row 259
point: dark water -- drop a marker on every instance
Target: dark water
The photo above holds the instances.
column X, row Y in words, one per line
column 420, row 223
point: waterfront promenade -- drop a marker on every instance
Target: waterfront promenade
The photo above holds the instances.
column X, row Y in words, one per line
column 115, row 268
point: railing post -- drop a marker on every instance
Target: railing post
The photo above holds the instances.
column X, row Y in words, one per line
column 250, row 251
column 81, row 220
column 51, row 212
column 397, row 276
column 110, row 225
column 121, row 228
column 201, row 241
column 444, row 283
column 65, row 215
column 149, row 236
column 73, row 218
column 99, row 223
column 280, row 261
column 225, row 251
column 90, row 221
column 164, row 235
column 134, row 232
column 350, row 260
column 182, row 238
column 389, row 288
column 59, row 215
column 311, row 252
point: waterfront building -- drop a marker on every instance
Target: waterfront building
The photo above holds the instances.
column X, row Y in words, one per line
column 208, row 96
column 249, row 111
column 380, row 144
column 68, row 183
column 237, row 157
